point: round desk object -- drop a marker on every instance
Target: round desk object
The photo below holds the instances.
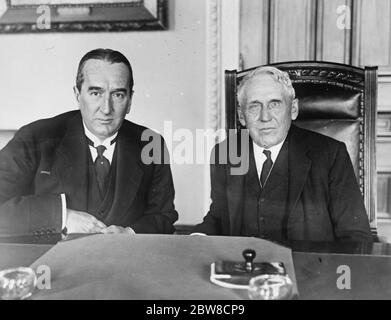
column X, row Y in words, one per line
column 17, row 283
column 270, row 287
column 249, row 255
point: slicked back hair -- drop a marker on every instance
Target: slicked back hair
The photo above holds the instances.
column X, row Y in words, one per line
column 108, row 55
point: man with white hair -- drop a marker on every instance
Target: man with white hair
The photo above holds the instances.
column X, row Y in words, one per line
column 300, row 185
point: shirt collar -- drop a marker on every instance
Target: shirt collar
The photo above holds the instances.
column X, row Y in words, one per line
column 96, row 140
column 275, row 150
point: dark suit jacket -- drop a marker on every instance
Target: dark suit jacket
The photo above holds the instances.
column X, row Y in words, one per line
column 49, row 157
column 324, row 200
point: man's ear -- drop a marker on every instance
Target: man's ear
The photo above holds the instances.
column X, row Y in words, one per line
column 295, row 109
column 130, row 102
column 77, row 94
column 241, row 117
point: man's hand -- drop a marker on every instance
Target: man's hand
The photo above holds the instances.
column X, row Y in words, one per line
column 118, row 229
column 82, row 222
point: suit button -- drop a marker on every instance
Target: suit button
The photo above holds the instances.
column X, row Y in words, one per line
column 262, row 199
column 262, row 219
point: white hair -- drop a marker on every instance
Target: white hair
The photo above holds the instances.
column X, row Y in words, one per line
column 277, row 75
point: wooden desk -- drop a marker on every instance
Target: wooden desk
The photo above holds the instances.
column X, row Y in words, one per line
column 316, row 272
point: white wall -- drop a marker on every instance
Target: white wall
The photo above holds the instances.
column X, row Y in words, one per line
column 37, row 72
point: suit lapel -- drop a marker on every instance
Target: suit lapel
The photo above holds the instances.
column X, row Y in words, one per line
column 236, row 182
column 299, row 166
column 235, row 189
column 128, row 176
column 252, row 178
column 278, row 172
column 71, row 164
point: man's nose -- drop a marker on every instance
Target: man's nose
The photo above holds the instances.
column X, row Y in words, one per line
column 106, row 105
column 265, row 114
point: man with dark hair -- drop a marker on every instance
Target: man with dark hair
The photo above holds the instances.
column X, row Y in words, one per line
column 107, row 55
column 82, row 171
column 300, row 185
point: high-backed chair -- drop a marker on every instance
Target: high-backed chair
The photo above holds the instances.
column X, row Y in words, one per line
column 336, row 100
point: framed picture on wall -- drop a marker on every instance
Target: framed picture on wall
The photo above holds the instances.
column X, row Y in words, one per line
column 18, row 16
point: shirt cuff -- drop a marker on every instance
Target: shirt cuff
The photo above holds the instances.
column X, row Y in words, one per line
column 64, row 211
column 197, row 234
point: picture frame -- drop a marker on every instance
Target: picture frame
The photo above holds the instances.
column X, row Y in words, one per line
column 30, row 16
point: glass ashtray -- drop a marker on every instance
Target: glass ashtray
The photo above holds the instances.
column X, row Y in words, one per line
column 17, row 283
column 270, row 287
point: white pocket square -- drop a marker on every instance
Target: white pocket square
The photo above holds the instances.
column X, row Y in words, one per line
column 46, row 172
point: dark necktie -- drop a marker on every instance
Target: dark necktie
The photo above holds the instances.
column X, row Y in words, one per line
column 267, row 166
column 102, row 169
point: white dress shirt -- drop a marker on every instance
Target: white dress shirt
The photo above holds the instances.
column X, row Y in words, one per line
column 260, row 157
column 108, row 154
